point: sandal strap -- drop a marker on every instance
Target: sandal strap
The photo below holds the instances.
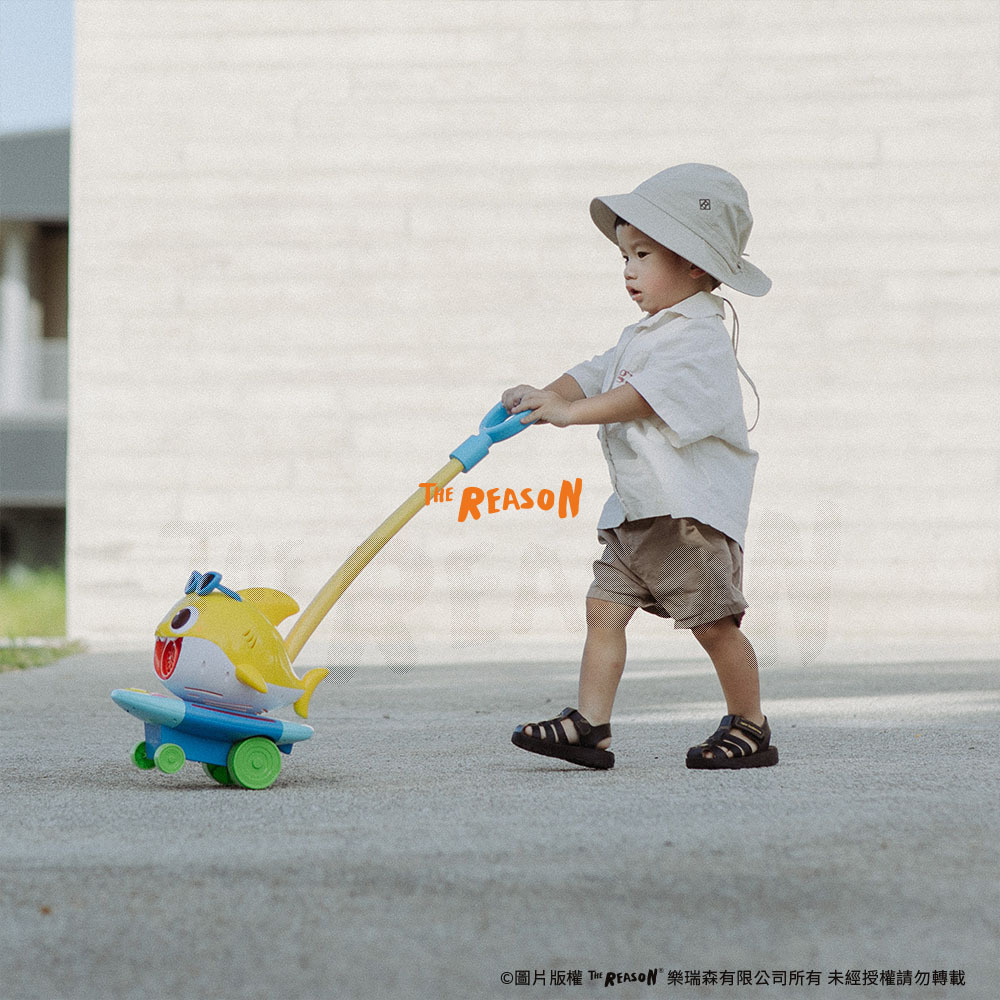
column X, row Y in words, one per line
column 588, row 734
column 739, row 747
column 761, row 735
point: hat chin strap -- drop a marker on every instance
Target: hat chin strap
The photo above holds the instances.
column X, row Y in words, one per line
column 742, row 370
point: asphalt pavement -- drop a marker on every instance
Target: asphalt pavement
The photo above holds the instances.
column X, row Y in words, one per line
column 409, row 850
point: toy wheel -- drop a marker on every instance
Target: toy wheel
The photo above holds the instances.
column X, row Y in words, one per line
column 139, row 757
column 254, row 763
column 217, row 772
column 169, row 758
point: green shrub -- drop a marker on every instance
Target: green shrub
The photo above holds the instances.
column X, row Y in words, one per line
column 21, row 655
column 33, row 603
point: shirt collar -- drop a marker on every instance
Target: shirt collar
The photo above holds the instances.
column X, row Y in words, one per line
column 699, row 305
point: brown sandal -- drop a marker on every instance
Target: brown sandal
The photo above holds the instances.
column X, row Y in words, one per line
column 555, row 742
column 729, row 751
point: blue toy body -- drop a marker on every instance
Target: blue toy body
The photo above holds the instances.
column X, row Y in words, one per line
column 234, row 747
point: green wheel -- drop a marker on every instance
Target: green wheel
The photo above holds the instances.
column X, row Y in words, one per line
column 169, row 758
column 255, row 763
column 139, row 757
column 217, row 772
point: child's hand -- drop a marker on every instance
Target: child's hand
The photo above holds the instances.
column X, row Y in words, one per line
column 512, row 397
column 546, row 407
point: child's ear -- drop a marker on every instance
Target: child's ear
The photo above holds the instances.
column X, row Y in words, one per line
column 696, row 272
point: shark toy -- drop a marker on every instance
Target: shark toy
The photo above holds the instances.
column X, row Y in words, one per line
column 221, row 648
column 220, row 653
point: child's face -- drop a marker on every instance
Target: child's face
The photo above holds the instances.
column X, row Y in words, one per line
column 655, row 277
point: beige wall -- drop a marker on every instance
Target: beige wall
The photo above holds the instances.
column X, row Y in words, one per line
column 313, row 241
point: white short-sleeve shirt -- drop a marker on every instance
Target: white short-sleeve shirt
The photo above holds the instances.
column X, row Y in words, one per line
column 692, row 458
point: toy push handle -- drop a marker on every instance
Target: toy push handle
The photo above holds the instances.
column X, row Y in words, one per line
column 496, row 426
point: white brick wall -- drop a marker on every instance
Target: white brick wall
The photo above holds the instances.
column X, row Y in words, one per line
column 313, row 241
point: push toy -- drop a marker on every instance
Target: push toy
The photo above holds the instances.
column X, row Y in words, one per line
column 218, row 651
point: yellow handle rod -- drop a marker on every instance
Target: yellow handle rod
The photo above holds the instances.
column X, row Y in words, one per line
column 333, row 588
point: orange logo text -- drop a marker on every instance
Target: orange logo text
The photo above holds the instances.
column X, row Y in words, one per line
column 474, row 501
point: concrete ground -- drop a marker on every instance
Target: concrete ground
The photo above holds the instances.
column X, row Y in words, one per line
column 408, row 850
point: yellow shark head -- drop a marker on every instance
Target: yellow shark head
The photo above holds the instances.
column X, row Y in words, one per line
column 221, row 648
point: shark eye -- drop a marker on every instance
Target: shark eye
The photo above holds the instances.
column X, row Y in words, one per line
column 184, row 619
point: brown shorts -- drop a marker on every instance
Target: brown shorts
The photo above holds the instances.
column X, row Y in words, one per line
column 672, row 567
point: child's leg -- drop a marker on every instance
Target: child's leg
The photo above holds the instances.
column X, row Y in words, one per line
column 736, row 666
column 603, row 659
column 601, row 667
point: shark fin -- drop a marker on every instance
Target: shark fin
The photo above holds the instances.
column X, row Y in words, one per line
column 272, row 604
column 251, row 676
column 309, row 682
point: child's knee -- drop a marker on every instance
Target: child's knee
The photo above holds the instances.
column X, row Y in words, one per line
column 710, row 633
column 605, row 615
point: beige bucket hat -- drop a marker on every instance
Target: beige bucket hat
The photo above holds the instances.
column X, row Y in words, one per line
column 700, row 212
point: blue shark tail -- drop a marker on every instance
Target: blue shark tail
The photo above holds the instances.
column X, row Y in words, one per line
column 311, row 679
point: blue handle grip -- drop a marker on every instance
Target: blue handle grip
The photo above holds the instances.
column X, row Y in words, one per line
column 500, row 425
column 497, row 425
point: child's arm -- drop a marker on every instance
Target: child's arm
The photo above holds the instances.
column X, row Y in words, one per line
column 551, row 407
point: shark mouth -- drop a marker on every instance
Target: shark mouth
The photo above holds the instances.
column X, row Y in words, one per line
column 165, row 656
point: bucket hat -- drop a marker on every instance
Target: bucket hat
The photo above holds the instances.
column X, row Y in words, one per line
column 700, row 212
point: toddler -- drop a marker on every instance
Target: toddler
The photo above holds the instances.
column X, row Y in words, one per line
column 668, row 402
